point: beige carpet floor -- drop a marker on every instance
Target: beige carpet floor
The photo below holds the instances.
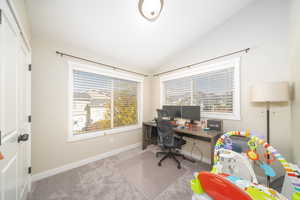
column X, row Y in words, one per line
column 143, row 172
column 131, row 175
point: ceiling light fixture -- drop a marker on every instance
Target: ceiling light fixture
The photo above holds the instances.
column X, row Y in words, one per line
column 151, row 9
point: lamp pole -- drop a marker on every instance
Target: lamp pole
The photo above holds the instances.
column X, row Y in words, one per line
column 268, row 138
column 268, row 122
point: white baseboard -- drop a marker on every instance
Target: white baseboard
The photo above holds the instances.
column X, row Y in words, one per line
column 196, row 157
column 80, row 163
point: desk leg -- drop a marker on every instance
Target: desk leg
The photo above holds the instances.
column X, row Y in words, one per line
column 145, row 134
column 212, row 147
column 212, row 153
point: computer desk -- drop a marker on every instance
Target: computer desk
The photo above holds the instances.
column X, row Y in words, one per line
column 211, row 137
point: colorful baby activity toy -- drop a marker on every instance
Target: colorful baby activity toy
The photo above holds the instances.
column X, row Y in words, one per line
column 233, row 178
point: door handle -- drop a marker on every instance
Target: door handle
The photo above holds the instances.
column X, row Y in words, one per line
column 23, row 138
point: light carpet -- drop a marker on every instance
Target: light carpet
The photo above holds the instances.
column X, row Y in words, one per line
column 145, row 174
column 131, row 175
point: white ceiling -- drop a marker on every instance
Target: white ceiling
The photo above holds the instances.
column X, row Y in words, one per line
column 114, row 28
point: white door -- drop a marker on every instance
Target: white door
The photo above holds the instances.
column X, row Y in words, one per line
column 24, row 97
column 14, row 110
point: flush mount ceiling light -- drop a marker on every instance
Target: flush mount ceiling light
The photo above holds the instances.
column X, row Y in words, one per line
column 151, row 9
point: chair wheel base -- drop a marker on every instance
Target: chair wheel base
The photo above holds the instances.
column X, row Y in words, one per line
column 170, row 154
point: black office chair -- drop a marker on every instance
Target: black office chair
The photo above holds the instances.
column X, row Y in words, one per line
column 168, row 141
column 162, row 113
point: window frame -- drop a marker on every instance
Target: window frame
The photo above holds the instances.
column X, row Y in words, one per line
column 199, row 69
column 110, row 73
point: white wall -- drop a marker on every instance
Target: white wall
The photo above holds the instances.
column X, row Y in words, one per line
column 21, row 11
column 295, row 76
column 263, row 26
column 50, row 148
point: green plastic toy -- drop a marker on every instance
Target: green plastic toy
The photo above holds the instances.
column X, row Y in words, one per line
column 296, row 196
column 257, row 194
column 196, row 186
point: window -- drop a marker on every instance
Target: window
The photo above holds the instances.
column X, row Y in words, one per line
column 215, row 88
column 178, row 91
column 103, row 101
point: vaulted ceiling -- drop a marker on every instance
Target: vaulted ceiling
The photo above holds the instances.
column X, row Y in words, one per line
column 115, row 28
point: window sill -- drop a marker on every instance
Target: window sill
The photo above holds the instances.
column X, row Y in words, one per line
column 221, row 116
column 74, row 138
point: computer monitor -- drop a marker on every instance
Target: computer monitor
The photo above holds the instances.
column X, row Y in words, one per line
column 191, row 112
column 173, row 111
column 161, row 113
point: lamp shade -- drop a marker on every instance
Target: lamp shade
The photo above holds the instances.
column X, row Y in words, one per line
column 270, row 92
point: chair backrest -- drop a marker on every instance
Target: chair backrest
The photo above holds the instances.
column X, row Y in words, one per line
column 162, row 113
column 165, row 132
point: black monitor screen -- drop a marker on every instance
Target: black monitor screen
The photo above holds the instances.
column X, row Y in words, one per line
column 191, row 112
column 173, row 111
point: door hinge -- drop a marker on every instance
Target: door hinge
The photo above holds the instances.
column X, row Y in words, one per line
column 29, row 119
column 29, row 170
column 29, row 67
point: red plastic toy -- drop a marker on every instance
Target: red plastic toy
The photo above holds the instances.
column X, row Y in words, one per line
column 218, row 188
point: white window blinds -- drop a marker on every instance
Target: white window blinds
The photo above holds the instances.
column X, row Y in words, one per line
column 214, row 90
column 178, row 91
column 102, row 102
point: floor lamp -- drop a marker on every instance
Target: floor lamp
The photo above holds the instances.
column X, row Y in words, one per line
column 268, row 93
